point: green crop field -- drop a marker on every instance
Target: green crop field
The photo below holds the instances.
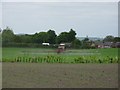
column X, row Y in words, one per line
column 41, row 55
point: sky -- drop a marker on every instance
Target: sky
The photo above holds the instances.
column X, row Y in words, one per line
column 59, row 0
column 92, row 19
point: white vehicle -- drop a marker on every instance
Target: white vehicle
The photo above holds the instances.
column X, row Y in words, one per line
column 45, row 44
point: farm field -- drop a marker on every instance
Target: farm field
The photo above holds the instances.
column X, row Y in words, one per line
column 69, row 71
column 44, row 75
column 39, row 55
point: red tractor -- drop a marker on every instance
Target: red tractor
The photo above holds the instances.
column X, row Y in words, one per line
column 61, row 48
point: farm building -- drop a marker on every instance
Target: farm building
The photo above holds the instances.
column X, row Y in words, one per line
column 107, row 44
column 117, row 45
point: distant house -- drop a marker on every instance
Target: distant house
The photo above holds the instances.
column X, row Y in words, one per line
column 117, row 44
column 101, row 44
column 108, row 44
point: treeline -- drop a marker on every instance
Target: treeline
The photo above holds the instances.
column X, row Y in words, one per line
column 36, row 40
column 9, row 39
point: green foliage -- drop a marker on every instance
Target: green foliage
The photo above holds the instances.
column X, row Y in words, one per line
column 45, row 59
column 94, row 59
column 51, row 36
column 60, row 59
column 86, row 39
column 117, row 39
column 72, row 34
column 86, row 43
column 7, row 36
column 76, row 43
column 66, row 37
column 109, row 38
column 23, row 38
column 63, row 37
column 17, row 39
column 40, row 37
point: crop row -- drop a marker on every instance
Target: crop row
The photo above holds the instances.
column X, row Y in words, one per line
column 46, row 59
column 60, row 59
column 95, row 59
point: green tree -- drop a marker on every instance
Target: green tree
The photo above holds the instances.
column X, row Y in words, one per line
column 109, row 38
column 51, row 36
column 76, row 43
column 86, row 39
column 72, row 34
column 7, row 35
column 66, row 36
column 17, row 39
column 26, row 38
column 40, row 37
column 86, row 43
column 116, row 39
column 63, row 37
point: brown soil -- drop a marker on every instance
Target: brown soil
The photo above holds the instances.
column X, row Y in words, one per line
column 37, row 75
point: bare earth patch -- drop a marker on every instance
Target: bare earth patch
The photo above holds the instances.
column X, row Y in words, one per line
column 39, row 75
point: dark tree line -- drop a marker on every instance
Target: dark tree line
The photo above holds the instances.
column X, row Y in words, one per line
column 36, row 40
column 9, row 38
column 110, row 38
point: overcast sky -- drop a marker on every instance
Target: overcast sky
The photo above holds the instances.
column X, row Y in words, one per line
column 95, row 19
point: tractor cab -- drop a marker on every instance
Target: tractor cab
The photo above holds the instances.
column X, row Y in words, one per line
column 61, row 48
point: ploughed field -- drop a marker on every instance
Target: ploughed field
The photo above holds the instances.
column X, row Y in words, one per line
column 44, row 68
column 44, row 75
